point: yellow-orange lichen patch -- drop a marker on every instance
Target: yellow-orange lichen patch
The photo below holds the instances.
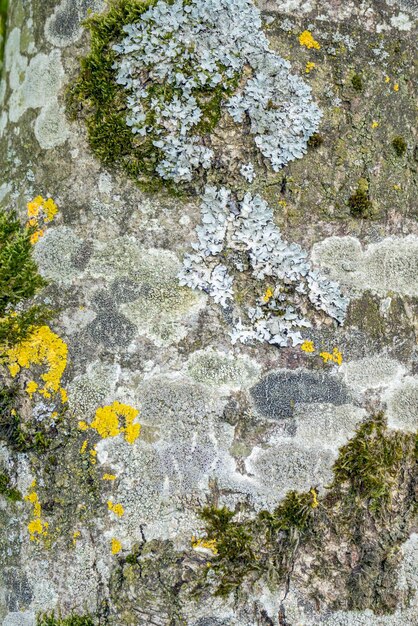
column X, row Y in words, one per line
column 37, row 527
column 117, row 418
column 332, row 357
column 40, row 211
column 308, row 346
column 42, row 347
column 306, row 39
column 205, row 544
column 117, row 509
column 116, row 546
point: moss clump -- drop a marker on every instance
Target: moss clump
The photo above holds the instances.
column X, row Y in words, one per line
column 6, row 490
column 375, row 480
column 19, row 281
column 315, row 141
column 399, row 145
column 357, row 82
column 22, row 436
column 101, row 102
column 3, row 20
column 72, row 620
column 360, row 204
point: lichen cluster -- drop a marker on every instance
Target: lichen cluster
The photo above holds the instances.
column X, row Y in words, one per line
column 175, row 66
column 248, row 228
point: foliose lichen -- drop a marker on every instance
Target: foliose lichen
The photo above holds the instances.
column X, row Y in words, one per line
column 248, row 228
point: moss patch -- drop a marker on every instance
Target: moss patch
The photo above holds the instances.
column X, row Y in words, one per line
column 19, row 282
column 7, row 490
column 374, row 481
column 101, row 102
column 399, row 145
column 71, row 620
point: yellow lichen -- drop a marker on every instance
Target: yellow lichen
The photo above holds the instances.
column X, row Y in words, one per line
column 83, row 425
column 31, row 387
column 314, row 502
column 76, row 535
column 205, row 544
column 108, row 477
column 40, row 212
column 306, row 39
column 268, row 295
column 116, row 546
column 309, row 67
column 107, row 421
column 42, row 347
column 334, row 357
column 387, row 79
column 308, row 346
column 396, row 87
column 84, row 446
column 115, row 508
column 37, row 527
column 375, row 124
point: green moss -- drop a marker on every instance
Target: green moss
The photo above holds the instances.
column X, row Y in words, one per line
column 315, row 140
column 6, row 490
column 19, row 282
column 3, row 20
column 72, row 620
column 357, row 82
column 375, row 480
column 101, row 102
column 360, row 204
column 399, row 145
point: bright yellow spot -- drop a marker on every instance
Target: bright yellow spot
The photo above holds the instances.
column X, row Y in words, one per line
column 36, row 526
column 42, row 347
column 64, row 395
column 83, row 426
column 314, row 502
column 308, row 346
column 282, row 203
column 397, row 187
column 84, row 446
column 268, row 295
column 93, row 454
column 396, row 87
column 205, row 544
column 306, row 39
column 108, row 477
column 375, row 124
column 76, row 535
column 334, row 357
column 31, row 387
column 309, row 67
column 115, row 508
column 107, row 424
column 387, row 79
column 116, row 546
column 34, row 238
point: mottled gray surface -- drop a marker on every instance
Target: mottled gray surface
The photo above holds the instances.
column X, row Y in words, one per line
column 135, row 335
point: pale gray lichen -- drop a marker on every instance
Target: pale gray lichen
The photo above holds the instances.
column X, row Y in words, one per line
column 249, row 227
column 203, row 46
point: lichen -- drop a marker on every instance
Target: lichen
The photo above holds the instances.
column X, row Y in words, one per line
column 159, row 110
column 107, row 422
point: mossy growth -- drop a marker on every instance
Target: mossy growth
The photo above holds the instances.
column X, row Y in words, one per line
column 359, row 202
column 23, row 435
column 375, row 480
column 357, row 82
column 3, row 20
column 49, row 619
column 101, row 102
column 315, row 140
column 7, row 490
column 399, row 145
column 19, row 282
